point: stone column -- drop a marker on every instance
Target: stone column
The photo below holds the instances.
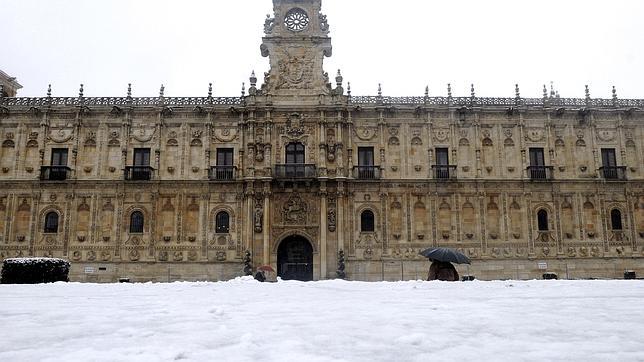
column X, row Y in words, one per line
column 323, row 231
column 266, row 226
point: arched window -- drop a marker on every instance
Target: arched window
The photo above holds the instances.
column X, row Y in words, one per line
column 51, row 222
column 295, row 153
column 136, row 222
column 367, row 223
column 542, row 220
column 616, row 219
column 222, row 223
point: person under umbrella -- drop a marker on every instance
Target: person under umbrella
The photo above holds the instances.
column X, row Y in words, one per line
column 442, row 270
column 442, row 259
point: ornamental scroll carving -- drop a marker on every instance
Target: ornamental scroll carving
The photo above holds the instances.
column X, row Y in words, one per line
column 331, row 215
column 144, row 134
column 61, row 135
column 366, row 133
column 605, row 135
column 535, row 135
column 225, row 135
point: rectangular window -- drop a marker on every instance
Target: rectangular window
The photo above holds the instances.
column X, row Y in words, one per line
column 59, row 157
column 442, row 156
column 224, row 157
column 536, row 157
column 365, row 156
column 141, row 157
column 608, row 157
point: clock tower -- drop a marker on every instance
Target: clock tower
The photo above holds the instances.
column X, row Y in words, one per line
column 296, row 41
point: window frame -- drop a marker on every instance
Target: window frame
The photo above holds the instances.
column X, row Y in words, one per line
column 141, row 157
column 295, row 153
column 543, row 223
column 616, row 220
column 225, row 156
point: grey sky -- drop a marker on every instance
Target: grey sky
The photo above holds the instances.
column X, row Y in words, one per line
column 403, row 44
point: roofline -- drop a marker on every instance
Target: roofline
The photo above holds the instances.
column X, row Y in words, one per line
column 11, row 80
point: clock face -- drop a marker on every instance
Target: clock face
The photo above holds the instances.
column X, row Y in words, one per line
column 296, row 20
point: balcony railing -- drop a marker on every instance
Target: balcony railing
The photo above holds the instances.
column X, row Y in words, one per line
column 540, row 173
column 295, row 171
column 366, row 172
column 444, row 172
column 222, row 173
column 55, row 173
column 613, row 172
column 138, row 173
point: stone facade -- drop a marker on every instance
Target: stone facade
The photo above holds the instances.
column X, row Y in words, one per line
column 9, row 86
column 299, row 171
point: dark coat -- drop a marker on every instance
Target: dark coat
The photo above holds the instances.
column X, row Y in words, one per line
column 443, row 271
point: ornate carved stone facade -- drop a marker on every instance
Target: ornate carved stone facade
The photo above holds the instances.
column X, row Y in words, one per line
column 164, row 188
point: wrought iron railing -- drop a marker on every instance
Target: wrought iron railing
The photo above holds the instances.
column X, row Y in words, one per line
column 138, row 173
column 617, row 173
column 55, row 173
column 366, row 172
column 295, row 171
column 444, row 172
column 222, row 173
column 540, row 173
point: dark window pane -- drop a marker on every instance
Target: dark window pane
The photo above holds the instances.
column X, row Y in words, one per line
column 136, row 222
column 51, row 222
column 365, row 156
column 59, row 157
column 222, row 223
column 224, row 157
column 442, row 156
column 141, row 157
column 536, row 157
column 608, row 157
column 367, row 223
column 542, row 220
column 295, row 153
column 616, row 219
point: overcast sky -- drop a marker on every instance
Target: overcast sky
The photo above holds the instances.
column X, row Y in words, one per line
column 403, row 44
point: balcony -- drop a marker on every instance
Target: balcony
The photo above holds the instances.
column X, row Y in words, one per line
column 222, row 173
column 613, row 173
column 55, row 173
column 444, row 172
column 540, row 173
column 295, row 171
column 138, row 173
column 366, row 172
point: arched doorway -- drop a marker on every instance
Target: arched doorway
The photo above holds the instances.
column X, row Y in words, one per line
column 295, row 259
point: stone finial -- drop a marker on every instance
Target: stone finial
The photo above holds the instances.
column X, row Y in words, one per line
column 243, row 93
column 349, row 89
column 161, row 91
column 587, row 93
column 472, row 93
column 49, row 91
column 557, row 94
column 614, row 94
column 129, row 90
column 209, row 90
column 253, row 79
column 339, row 79
column 449, row 90
column 80, row 91
column 552, row 89
column 545, row 92
column 379, row 90
column 426, row 91
column 517, row 93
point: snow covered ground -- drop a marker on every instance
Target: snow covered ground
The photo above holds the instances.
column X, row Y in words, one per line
column 243, row 320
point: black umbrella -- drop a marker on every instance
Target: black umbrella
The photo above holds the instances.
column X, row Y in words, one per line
column 445, row 254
